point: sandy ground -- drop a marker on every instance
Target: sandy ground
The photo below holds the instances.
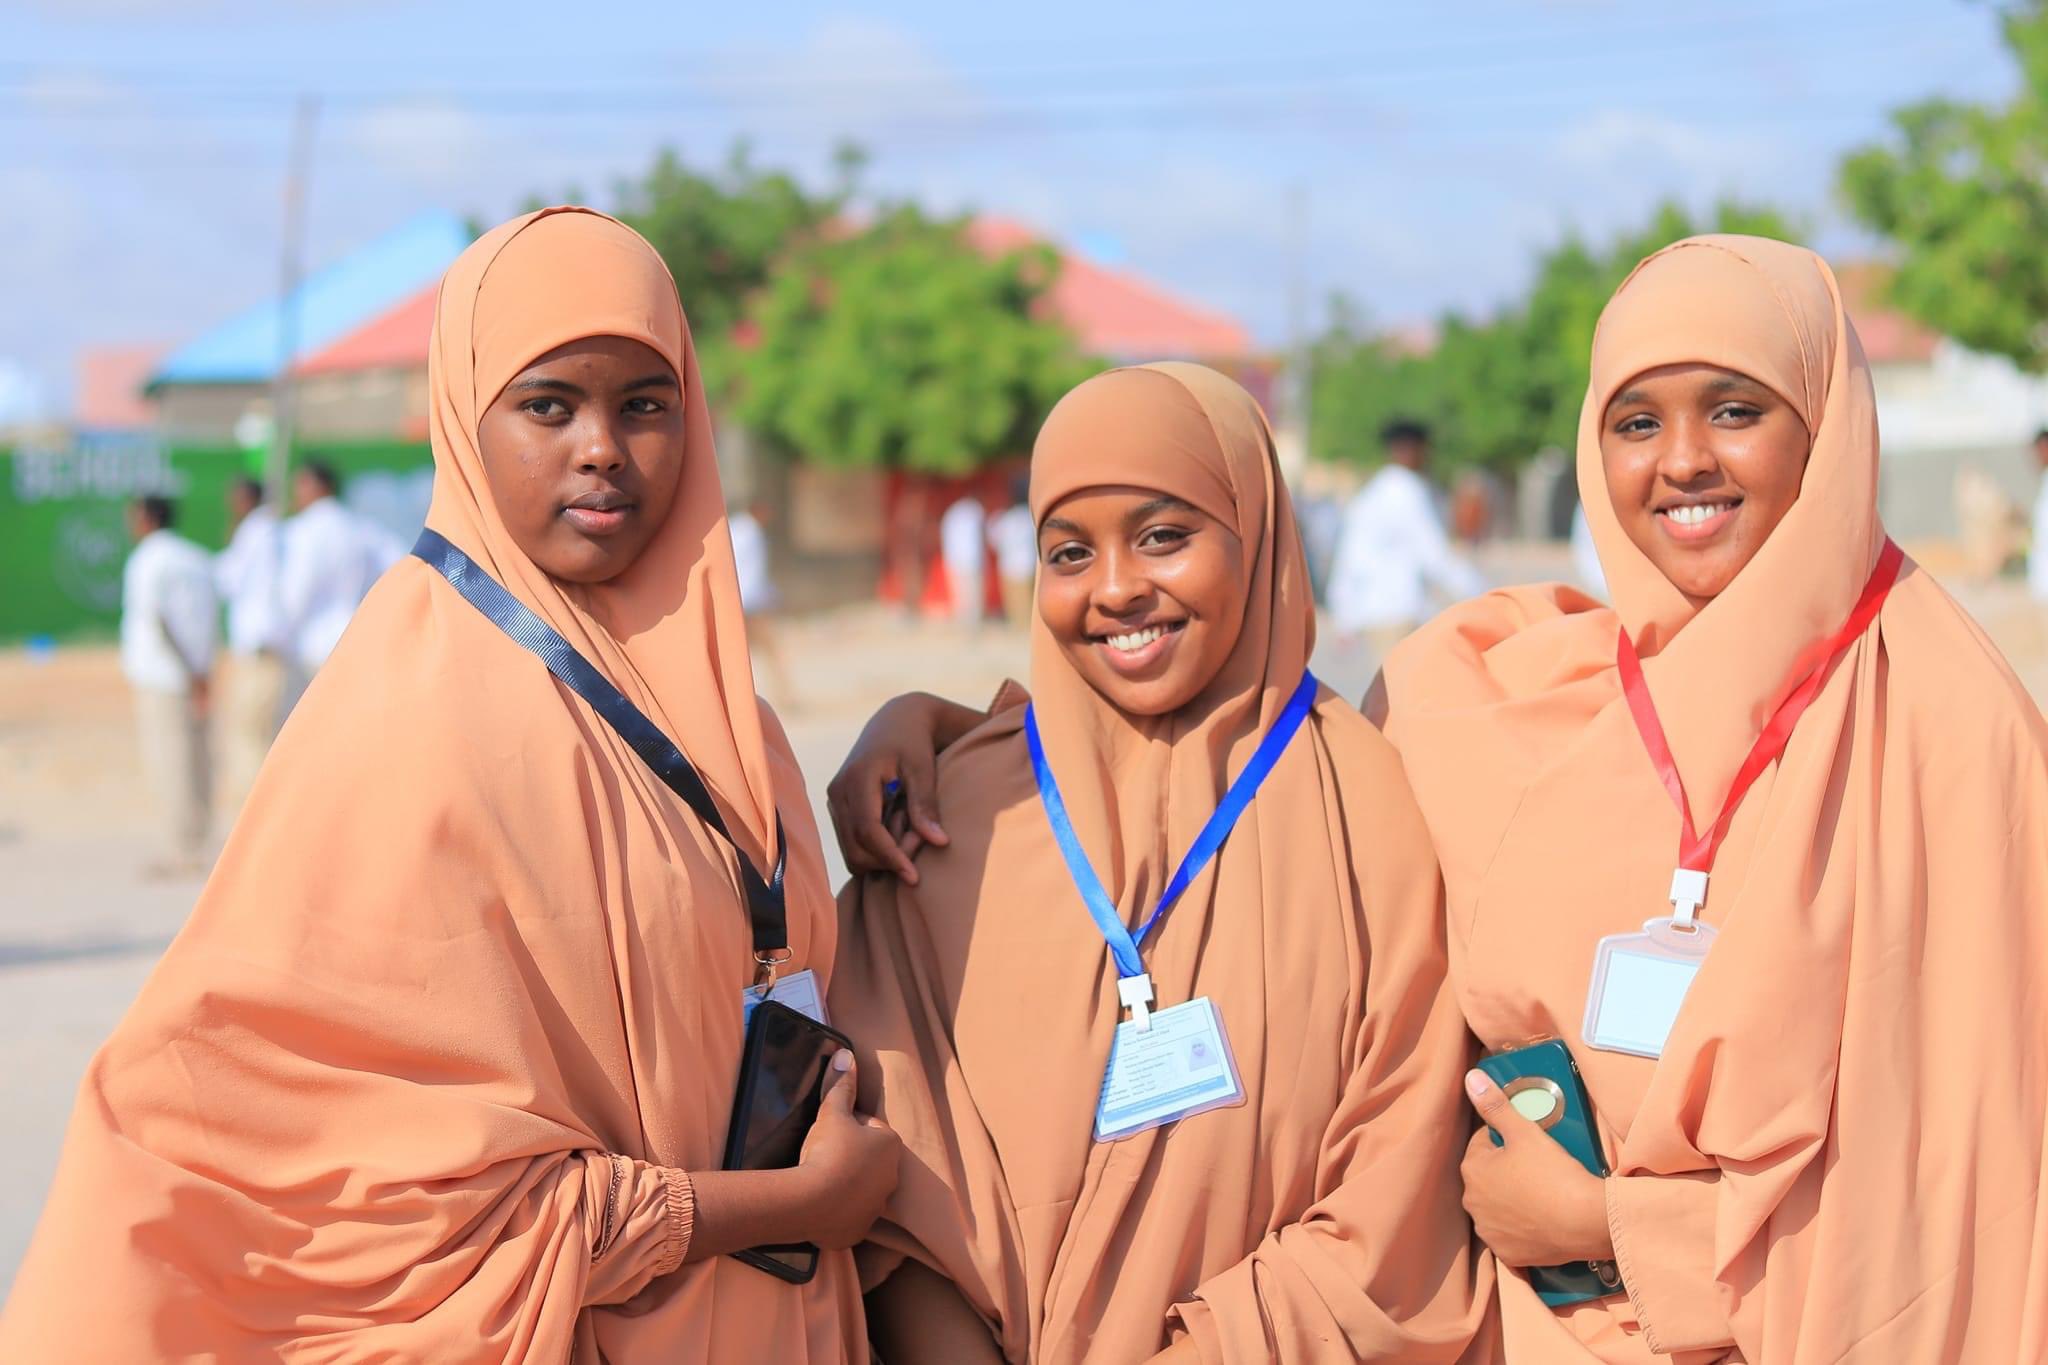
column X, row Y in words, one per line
column 80, row 925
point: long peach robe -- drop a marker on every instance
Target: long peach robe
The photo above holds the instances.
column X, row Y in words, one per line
column 1317, row 1222
column 1838, row 1157
column 462, row 951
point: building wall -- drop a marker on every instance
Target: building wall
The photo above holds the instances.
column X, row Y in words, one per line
column 363, row 404
column 1957, row 412
column 206, row 414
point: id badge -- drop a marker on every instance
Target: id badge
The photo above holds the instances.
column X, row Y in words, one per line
column 1639, row 983
column 1179, row 1067
column 798, row 990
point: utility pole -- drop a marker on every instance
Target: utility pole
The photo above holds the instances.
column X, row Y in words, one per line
column 297, row 168
column 1296, row 390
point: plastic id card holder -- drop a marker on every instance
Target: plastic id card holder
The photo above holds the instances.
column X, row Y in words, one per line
column 1179, row 1067
column 1639, row 984
column 798, row 990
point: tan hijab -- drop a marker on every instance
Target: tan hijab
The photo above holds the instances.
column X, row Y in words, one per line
column 1320, row 1219
column 460, row 1006
column 1838, row 1156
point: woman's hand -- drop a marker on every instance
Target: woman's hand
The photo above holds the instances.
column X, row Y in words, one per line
column 832, row 1196
column 901, row 744
column 1530, row 1199
column 848, row 1165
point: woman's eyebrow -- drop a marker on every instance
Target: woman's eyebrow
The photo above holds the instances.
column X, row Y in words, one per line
column 664, row 380
column 1165, row 502
column 1626, row 397
column 542, row 382
column 1058, row 524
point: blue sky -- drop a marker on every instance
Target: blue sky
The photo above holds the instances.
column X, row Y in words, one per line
column 1433, row 148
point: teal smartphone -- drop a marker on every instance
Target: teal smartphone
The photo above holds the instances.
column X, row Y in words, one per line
column 1542, row 1082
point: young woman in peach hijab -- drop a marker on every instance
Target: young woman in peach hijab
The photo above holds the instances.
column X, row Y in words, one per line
column 1313, row 1219
column 1833, row 1151
column 440, row 1068
column 1829, row 1146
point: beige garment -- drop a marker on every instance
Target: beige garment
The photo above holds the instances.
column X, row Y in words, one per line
column 178, row 768
column 1319, row 1221
column 1838, row 1156
column 248, row 706
column 424, row 1076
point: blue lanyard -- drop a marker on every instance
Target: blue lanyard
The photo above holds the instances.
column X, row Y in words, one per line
column 1123, row 944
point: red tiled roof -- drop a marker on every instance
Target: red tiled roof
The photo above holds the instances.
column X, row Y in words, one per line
column 110, row 381
column 393, row 340
column 1117, row 314
column 1112, row 314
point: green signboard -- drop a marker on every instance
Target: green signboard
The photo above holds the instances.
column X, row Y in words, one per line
column 63, row 515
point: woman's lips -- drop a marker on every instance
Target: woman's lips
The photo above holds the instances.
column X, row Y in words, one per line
column 1135, row 654
column 1691, row 523
column 599, row 520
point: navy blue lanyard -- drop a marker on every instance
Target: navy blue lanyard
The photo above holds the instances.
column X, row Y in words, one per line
column 1123, row 944
column 765, row 896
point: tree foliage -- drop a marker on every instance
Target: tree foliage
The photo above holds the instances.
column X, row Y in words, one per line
column 902, row 346
column 721, row 233
column 1496, row 390
column 1963, row 190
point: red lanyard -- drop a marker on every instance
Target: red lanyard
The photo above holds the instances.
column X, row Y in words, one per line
column 1695, row 850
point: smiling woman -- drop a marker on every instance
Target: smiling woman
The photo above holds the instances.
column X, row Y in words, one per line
column 1144, row 592
column 1702, row 464
column 1283, row 1192
column 1714, row 838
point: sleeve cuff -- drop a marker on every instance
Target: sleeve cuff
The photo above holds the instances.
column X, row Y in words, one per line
column 681, row 1198
column 1662, row 1227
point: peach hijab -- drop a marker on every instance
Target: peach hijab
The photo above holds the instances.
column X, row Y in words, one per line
column 423, row 1076
column 1838, row 1156
column 1320, row 1219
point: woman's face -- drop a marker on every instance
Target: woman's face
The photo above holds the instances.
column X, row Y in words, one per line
column 1144, row 593
column 583, row 452
column 1702, row 464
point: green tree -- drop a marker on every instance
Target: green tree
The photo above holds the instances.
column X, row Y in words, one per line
column 1963, row 190
column 1497, row 390
column 902, row 346
column 721, row 232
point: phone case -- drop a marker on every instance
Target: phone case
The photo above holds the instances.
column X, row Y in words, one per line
column 796, row 1262
column 1548, row 1079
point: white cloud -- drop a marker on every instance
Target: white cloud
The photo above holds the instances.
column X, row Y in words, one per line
column 422, row 143
column 1652, row 146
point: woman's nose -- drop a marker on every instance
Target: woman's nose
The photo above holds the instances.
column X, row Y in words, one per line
column 600, row 450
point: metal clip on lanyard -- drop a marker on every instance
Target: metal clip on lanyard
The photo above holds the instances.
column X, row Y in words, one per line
column 765, row 897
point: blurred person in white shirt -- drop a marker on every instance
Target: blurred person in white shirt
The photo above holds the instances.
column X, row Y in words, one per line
column 1393, row 551
column 1015, row 539
column 963, row 543
column 759, row 598
column 248, row 574
column 2037, row 553
column 1585, row 556
column 169, row 623
column 331, row 557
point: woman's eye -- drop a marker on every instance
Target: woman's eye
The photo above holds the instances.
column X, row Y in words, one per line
column 1162, row 538
column 1639, row 425
column 644, row 406
column 545, row 407
column 1739, row 412
column 1066, row 555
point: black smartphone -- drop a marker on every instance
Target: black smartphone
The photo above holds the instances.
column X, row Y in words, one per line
column 782, row 1082
column 1542, row 1082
